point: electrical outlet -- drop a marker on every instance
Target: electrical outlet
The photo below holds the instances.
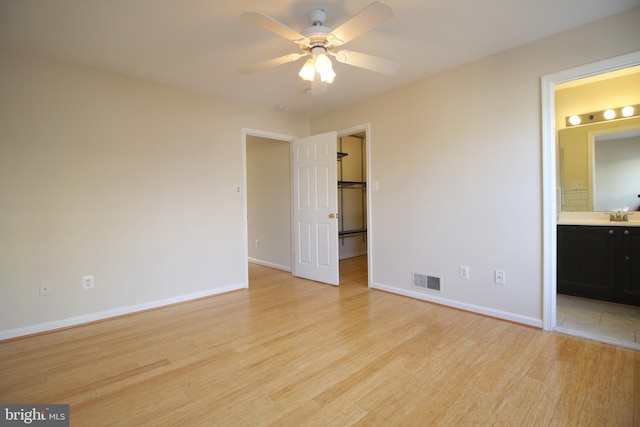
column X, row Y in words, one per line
column 499, row 277
column 464, row 272
column 88, row 282
column 45, row 289
column 257, row 243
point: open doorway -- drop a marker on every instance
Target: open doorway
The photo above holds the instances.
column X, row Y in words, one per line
column 268, row 203
column 555, row 309
column 353, row 200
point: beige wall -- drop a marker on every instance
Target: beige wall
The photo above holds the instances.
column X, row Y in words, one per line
column 458, row 161
column 269, row 201
column 119, row 178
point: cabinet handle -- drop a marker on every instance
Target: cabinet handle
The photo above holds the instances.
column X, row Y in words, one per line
column 610, row 231
column 626, row 231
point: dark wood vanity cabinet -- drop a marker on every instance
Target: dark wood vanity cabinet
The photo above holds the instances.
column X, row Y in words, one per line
column 631, row 263
column 599, row 262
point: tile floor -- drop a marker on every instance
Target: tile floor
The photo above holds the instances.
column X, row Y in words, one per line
column 602, row 321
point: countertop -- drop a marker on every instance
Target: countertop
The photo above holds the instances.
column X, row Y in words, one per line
column 603, row 223
column 598, row 219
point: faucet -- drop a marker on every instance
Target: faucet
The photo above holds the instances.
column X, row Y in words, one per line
column 618, row 217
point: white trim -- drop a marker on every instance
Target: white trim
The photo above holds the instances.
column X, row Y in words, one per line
column 270, row 264
column 591, row 170
column 499, row 314
column 549, row 208
column 107, row 314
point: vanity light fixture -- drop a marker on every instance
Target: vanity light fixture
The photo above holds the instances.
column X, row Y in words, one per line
column 628, row 111
column 604, row 115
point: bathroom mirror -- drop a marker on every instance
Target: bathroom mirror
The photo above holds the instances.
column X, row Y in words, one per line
column 599, row 167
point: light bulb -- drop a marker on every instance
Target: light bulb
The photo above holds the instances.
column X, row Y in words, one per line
column 627, row 111
column 327, row 76
column 323, row 63
column 308, row 70
column 609, row 114
column 575, row 120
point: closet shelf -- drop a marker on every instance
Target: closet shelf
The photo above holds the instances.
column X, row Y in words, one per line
column 345, row 184
column 352, row 232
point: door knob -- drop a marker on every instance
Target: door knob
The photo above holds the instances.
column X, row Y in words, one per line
column 332, row 215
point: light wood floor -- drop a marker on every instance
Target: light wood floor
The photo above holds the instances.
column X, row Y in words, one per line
column 293, row 352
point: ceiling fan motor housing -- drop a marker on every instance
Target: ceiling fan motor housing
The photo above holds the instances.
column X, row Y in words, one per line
column 317, row 35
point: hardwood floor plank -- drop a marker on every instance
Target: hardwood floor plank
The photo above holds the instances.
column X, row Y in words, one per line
column 293, row 352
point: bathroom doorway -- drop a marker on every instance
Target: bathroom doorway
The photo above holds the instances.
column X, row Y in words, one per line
column 613, row 323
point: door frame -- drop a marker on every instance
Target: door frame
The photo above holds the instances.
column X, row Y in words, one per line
column 549, row 209
column 364, row 127
column 263, row 134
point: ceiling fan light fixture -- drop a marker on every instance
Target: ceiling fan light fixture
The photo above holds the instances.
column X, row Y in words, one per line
column 318, row 41
column 328, row 75
column 323, row 63
column 307, row 72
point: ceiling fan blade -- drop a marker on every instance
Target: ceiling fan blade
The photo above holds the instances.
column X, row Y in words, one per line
column 369, row 62
column 268, row 23
column 271, row 63
column 318, row 87
column 371, row 16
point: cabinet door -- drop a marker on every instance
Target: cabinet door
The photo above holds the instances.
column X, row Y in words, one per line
column 587, row 261
column 630, row 264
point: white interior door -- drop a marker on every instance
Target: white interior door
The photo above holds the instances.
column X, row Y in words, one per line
column 315, row 208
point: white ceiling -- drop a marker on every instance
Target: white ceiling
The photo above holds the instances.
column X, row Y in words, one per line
column 200, row 44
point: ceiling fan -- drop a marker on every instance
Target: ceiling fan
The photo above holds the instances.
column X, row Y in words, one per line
column 318, row 42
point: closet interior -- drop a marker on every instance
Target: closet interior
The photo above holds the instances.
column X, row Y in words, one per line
column 352, row 195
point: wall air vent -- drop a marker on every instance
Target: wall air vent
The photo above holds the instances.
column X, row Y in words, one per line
column 429, row 283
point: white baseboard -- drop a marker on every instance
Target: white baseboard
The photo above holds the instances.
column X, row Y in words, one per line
column 270, row 264
column 505, row 315
column 102, row 315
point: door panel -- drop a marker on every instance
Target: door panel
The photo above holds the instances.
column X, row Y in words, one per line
column 304, row 246
column 315, row 206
